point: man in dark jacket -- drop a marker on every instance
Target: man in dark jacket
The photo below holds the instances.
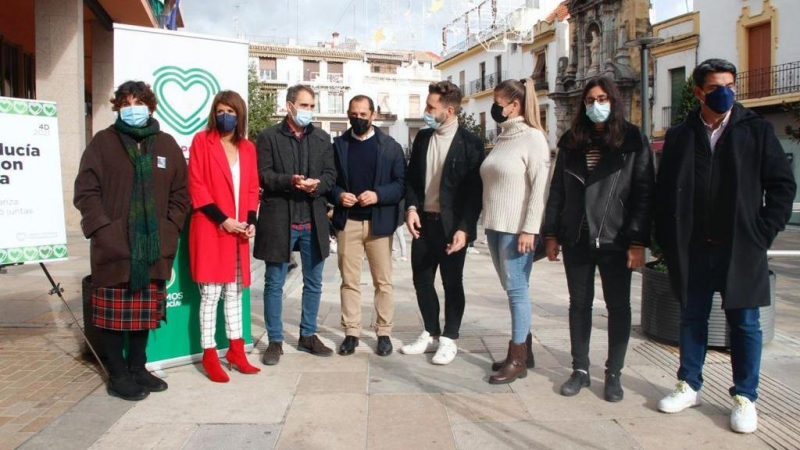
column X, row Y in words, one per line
column 724, row 190
column 369, row 188
column 296, row 172
column 443, row 202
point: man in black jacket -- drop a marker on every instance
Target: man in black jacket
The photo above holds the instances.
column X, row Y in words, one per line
column 724, row 190
column 443, row 202
column 369, row 188
column 296, row 172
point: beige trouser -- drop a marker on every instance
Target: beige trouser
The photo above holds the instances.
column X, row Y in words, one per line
column 352, row 242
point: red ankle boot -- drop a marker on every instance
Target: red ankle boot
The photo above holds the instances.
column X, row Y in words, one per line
column 237, row 357
column 212, row 366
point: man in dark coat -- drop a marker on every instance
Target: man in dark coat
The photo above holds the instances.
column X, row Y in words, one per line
column 369, row 190
column 724, row 190
column 296, row 171
column 443, row 202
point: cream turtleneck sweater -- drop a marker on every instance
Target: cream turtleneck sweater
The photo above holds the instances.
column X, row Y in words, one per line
column 438, row 147
column 515, row 179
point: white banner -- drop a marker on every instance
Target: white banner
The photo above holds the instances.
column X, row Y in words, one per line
column 185, row 71
column 31, row 198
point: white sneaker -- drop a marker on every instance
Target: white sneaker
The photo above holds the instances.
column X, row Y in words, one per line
column 681, row 398
column 446, row 352
column 473, row 251
column 744, row 418
column 420, row 346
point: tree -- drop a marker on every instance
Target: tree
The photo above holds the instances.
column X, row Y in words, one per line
column 468, row 121
column 687, row 104
column 261, row 104
column 793, row 109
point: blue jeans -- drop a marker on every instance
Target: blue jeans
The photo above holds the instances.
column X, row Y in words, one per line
column 707, row 272
column 275, row 277
column 514, row 270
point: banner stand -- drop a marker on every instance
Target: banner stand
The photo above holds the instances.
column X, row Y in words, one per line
column 57, row 289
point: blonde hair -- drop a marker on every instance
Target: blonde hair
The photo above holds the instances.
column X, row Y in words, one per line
column 524, row 91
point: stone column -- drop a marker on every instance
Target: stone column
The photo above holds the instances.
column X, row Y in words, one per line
column 60, row 78
column 102, row 78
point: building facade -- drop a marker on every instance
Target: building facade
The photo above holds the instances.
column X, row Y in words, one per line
column 397, row 82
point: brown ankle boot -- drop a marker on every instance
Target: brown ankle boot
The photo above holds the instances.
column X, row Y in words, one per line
column 514, row 366
column 530, row 364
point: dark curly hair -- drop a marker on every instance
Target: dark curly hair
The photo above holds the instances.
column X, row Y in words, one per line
column 139, row 90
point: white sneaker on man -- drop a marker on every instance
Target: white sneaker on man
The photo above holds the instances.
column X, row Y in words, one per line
column 473, row 251
column 420, row 346
column 446, row 352
column 681, row 398
column 744, row 418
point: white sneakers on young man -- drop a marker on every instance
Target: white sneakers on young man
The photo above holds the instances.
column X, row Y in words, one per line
column 446, row 352
column 744, row 418
column 423, row 343
column 679, row 399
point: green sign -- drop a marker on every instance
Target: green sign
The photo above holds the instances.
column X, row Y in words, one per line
column 189, row 117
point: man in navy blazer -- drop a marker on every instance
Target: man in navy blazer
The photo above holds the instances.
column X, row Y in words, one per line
column 367, row 202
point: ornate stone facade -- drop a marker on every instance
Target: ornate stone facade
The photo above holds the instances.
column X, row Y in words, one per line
column 599, row 30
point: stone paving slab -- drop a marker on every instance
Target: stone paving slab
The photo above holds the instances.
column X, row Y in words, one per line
column 146, row 436
column 577, row 435
column 239, row 437
column 329, row 421
column 400, row 422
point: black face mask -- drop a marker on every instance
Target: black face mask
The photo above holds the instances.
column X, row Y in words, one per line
column 497, row 113
column 360, row 126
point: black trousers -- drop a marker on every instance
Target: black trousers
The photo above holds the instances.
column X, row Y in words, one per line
column 115, row 342
column 580, row 262
column 428, row 254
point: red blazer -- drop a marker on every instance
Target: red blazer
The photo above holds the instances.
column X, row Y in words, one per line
column 212, row 251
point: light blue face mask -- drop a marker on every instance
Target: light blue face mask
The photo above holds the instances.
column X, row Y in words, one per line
column 302, row 117
column 135, row 116
column 430, row 121
column 599, row 112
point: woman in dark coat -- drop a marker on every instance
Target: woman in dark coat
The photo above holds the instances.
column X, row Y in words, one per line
column 132, row 196
column 599, row 209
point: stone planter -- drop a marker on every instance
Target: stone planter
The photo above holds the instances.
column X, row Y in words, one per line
column 661, row 312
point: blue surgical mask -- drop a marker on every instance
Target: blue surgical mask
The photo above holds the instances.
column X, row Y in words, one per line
column 720, row 100
column 430, row 121
column 302, row 117
column 226, row 122
column 135, row 116
column 598, row 112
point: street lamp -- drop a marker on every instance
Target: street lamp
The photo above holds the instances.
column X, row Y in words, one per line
column 644, row 43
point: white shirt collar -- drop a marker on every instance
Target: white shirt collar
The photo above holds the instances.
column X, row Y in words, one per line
column 369, row 134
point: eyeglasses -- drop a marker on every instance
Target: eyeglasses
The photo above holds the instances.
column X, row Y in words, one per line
column 602, row 99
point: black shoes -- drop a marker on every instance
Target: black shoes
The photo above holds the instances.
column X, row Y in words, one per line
column 613, row 389
column 126, row 388
column 348, row 346
column 144, row 378
column 273, row 354
column 579, row 379
column 384, row 346
column 313, row 345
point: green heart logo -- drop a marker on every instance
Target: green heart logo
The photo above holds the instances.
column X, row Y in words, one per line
column 49, row 110
column 45, row 252
column 30, row 253
column 3, row 255
column 60, row 250
column 182, row 110
column 5, row 105
column 35, row 108
column 20, row 107
column 14, row 254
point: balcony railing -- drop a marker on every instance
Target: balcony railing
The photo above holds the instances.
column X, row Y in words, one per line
column 328, row 78
column 491, row 135
column 268, row 74
column 769, row 81
column 668, row 114
column 488, row 81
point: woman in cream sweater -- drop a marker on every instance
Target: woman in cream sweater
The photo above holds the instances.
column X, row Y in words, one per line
column 515, row 180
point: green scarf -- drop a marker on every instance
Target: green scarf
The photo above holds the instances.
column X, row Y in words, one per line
column 143, row 235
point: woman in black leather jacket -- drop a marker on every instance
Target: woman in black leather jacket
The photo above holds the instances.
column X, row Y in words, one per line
column 599, row 209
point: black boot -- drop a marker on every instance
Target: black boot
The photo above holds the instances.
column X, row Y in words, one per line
column 579, row 379
column 120, row 383
column 126, row 388
column 137, row 358
column 613, row 389
column 144, row 378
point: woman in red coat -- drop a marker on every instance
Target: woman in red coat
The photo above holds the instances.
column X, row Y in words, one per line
column 223, row 184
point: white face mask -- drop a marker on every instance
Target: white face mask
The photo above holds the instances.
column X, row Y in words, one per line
column 598, row 112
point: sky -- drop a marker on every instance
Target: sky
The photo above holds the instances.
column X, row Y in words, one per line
column 404, row 24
